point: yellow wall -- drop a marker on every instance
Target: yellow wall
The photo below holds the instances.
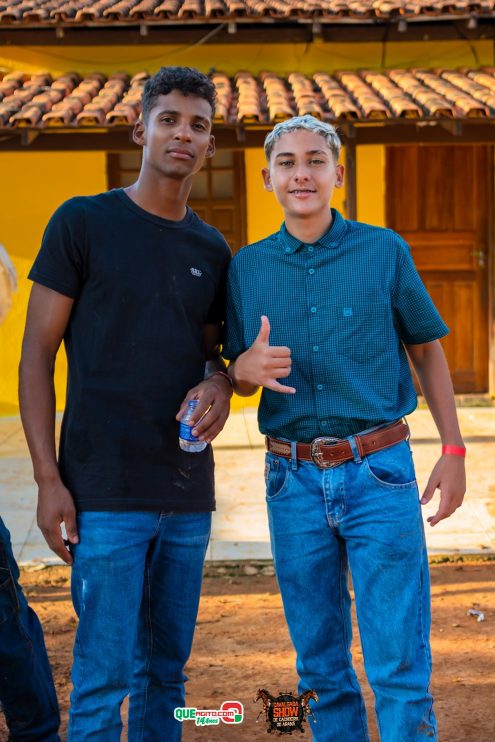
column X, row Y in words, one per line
column 280, row 58
column 32, row 185
column 370, row 167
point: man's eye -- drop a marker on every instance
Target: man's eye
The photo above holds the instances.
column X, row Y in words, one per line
column 315, row 161
column 167, row 119
column 285, row 163
column 200, row 127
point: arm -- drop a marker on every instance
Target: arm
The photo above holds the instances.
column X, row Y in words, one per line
column 214, row 392
column 47, row 318
column 261, row 365
column 237, row 368
column 448, row 474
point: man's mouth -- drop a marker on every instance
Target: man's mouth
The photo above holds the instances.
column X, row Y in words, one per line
column 180, row 154
column 302, row 191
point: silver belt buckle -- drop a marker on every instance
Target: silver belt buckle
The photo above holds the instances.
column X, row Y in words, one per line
column 317, row 453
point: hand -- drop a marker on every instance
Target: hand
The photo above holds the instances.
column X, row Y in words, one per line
column 263, row 363
column 449, row 476
column 56, row 506
column 213, row 395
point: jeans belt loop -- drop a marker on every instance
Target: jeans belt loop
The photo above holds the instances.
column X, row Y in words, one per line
column 293, row 455
column 355, row 449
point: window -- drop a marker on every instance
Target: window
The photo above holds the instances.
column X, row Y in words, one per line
column 217, row 194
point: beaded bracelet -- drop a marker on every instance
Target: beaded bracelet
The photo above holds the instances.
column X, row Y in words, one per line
column 454, row 451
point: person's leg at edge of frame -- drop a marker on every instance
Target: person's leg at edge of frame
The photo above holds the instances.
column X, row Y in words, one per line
column 311, row 568
column 388, row 561
column 167, row 622
column 27, row 692
column 107, row 589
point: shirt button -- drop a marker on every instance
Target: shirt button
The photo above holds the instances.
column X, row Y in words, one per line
column 324, row 424
column 319, row 387
column 316, row 348
column 310, row 248
column 311, row 271
column 313, row 309
column 287, row 249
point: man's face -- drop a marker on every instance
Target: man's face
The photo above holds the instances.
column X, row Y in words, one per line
column 177, row 137
column 302, row 172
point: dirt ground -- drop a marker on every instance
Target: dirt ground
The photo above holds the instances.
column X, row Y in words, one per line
column 242, row 643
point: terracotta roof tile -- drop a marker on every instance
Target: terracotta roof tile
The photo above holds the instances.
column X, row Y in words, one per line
column 225, row 96
column 481, row 87
column 307, row 96
column 49, row 12
column 467, row 105
column 368, row 101
column 168, row 9
column 67, row 10
column 96, row 100
column 92, row 11
column 432, row 104
column 339, row 102
column 279, row 99
column 398, row 101
column 249, row 103
column 144, row 9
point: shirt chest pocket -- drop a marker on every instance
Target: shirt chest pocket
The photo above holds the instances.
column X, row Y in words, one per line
column 363, row 331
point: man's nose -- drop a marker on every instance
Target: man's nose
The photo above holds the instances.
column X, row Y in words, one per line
column 301, row 173
column 183, row 133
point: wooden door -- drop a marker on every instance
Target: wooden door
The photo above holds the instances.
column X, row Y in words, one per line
column 438, row 198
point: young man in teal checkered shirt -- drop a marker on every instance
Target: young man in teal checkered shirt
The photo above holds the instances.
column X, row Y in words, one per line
column 335, row 308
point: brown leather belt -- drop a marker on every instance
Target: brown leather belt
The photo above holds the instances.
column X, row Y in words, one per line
column 329, row 452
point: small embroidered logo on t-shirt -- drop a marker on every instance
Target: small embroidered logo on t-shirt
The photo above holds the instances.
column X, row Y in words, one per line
column 348, row 312
column 196, row 272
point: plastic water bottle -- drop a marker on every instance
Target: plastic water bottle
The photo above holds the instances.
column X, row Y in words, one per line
column 188, row 441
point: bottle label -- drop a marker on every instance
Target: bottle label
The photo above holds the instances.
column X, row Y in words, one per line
column 185, row 432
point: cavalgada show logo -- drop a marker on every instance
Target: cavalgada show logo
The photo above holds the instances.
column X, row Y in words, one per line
column 287, row 712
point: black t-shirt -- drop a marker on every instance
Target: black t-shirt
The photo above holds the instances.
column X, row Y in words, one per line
column 143, row 289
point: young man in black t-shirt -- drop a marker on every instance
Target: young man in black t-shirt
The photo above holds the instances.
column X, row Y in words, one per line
column 133, row 282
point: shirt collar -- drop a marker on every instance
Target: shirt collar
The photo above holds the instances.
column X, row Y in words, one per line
column 331, row 238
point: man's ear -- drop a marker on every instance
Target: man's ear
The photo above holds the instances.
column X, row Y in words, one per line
column 339, row 181
column 211, row 147
column 139, row 133
column 266, row 179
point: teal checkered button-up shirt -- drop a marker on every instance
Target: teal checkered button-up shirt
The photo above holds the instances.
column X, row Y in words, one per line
column 344, row 306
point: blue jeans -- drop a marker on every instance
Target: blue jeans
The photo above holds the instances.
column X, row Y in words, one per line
column 27, row 693
column 363, row 515
column 136, row 583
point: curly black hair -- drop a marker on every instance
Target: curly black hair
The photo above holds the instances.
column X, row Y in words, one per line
column 187, row 80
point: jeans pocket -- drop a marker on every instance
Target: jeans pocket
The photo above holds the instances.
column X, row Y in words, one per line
column 392, row 467
column 277, row 475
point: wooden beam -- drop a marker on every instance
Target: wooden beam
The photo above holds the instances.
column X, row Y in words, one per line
column 262, row 31
column 232, row 137
column 145, row 34
column 28, row 136
column 467, row 131
column 350, row 179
